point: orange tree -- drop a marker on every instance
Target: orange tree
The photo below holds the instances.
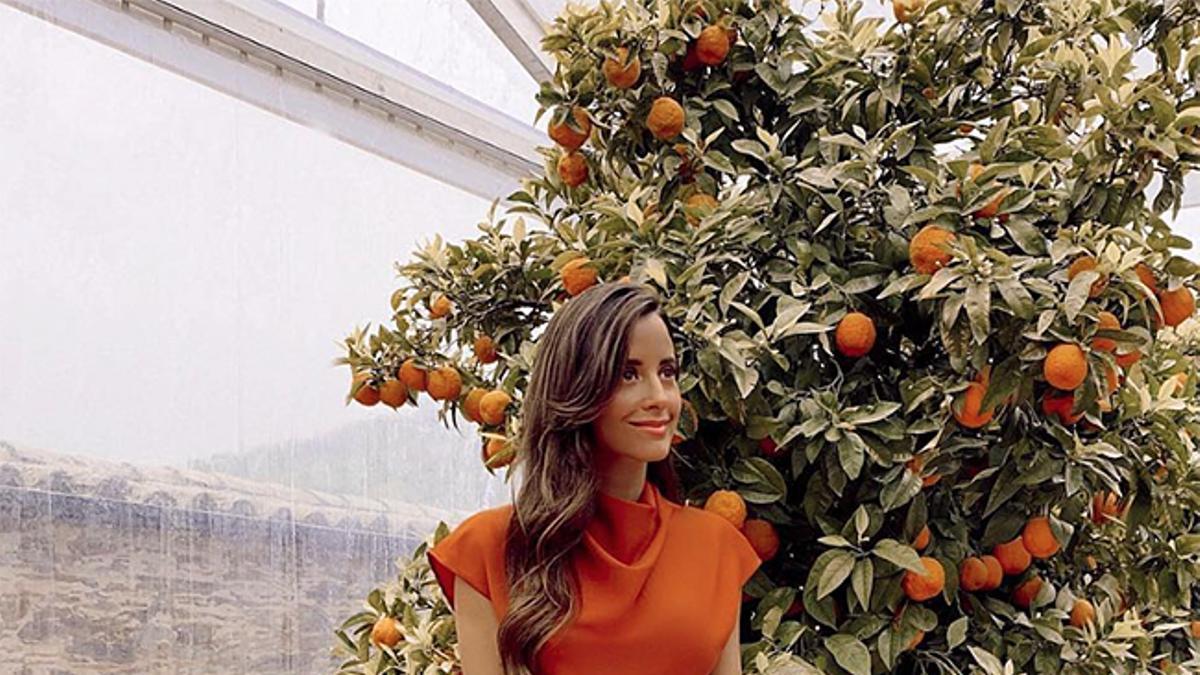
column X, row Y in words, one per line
column 934, row 334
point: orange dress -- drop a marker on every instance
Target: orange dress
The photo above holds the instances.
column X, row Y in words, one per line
column 661, row 585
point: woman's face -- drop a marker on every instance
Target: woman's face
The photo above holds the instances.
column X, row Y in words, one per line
column 643, row 413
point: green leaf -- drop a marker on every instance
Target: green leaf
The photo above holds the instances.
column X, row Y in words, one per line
column 851, row 454
column 656, row 271
column 899, row 554
column 726, row 109
column 1016, row 296
column 898, row 492
column 850, row 653
column 837, row 569
column 979, row 306
column 1077, row 293
column 732, row 288
column 861, row 580
column 1026, row 236
column 956, row 634
column 870, row 413
column 764, row 484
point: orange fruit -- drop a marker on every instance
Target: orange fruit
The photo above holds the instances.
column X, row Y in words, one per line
column 906, row 11
column 1024, row 595
column 1038, row 538
column 578, row 276
column 990, row 209
column 386, row 631
column 1112, row 382
column 995, row 573
column 1105, row 507
column 1194, row 629
column 923, row 538
column 1065, row 367
column 921, row 587
column 972, row 574
column 412, row 375
column 1060, row 404
column 573, row 169
column 967, row 409
column 973, row 172
column 691, row 61
column 927, row 250
column 1177, row 305
column 795, row 609
column 1108, row 321
column 445, row 384
column 705, row 203
column 1086, row 263
column 712, row 46
column 393, row 393
column 572, row 139
column 485, row 349
column 622, row 72
column 367, row 394
column 768, row 446
column 855, row 335
column 471, row 405
column 440, row 306
column 1082, row 613
column 729, row 505
column 1014, row 558
column 492, row 407
column 917, row 466
column 493, row 447
column 912, row 644
column 1127, row 359
column 1146, row 275
column 966, row 128
column 762, row 537
column 929, row 93
column 666, row 118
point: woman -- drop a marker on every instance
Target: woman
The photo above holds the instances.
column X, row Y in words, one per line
column 596, row 567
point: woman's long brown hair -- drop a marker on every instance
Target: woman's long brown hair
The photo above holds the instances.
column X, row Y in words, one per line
column 578, row 365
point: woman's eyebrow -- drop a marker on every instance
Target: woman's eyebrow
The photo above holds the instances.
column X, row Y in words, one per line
column 636, row 362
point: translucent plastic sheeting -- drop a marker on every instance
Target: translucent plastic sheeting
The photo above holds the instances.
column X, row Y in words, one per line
column 182, row 488
column 444, row 39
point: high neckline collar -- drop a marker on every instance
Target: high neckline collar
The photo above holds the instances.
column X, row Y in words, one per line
column 625, row 530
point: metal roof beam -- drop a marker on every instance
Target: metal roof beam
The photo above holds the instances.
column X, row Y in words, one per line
column 270, row 56
column 521, row 28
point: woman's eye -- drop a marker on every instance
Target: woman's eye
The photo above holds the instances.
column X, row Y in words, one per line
column 629, row 373
column 670, row 372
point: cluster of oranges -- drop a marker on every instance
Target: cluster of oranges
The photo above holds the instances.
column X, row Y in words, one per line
column 622, row 70
column 1065, row 367
column 987, row 572
column 761, row 534
column 444, row 383
column 490, row 408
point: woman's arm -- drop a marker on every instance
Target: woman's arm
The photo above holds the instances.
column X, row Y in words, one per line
column 477, row 627
column 730, row 662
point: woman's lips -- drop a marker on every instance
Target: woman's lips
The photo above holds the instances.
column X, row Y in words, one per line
column 653, row 429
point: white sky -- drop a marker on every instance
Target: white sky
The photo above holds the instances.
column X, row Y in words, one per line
column 176, row 266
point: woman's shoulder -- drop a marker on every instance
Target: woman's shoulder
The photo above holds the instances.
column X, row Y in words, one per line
column 492, row 520
column 707, row 531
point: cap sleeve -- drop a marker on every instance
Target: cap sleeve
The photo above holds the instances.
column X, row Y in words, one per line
column 745, row 560
column 469, row 551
